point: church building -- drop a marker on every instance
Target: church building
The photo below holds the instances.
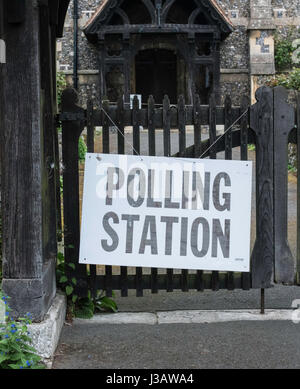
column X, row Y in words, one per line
column 115, row 48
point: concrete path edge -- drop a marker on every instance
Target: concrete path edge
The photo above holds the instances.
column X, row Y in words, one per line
column 45, row 335
column 185, row 317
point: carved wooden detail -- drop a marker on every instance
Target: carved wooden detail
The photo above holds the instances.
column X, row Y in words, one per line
column 192, row 31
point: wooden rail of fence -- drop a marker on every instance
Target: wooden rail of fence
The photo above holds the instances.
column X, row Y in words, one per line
column 270, row 124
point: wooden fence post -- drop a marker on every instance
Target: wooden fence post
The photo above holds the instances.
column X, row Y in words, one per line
column 90, row 126
column 137, row 150
column 284, row 121
column 71, row 131
column 212, row 125
column 167, row 153
column 262, row 122
column 152, row 153
column 121, row 151
column 197, row 126
column 90, row 142
column 246, row 277
column 151, row 126
column 167, row 126
column 228, row 156
column 298, row 188
column 49, row 169
column 182, row 152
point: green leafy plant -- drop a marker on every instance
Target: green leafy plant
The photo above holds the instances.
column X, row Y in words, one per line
column 81, row 307
column 0, row 249
column 105, row 304
column 82, row 150
column 15, row 349
column 61, row 185
column 61, row 84
column 283, row 53
column 289, row 80
column 84, row 308
column 292, row 168
column 87, row 307
column 286, row 50
column 294, row 79
column 66, row 284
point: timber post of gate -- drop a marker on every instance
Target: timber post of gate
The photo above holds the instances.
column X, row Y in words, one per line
column 297, row 140
column 27, row 129
column 262, row 122
column 284, row 122
column 71, row 131
column 272, row 119
column 245, row 136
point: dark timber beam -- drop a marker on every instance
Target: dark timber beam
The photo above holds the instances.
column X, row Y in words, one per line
column 262, row 123
column 123, row 15
column 163, row 29
column 49, row 136
column 166, row 9
column 216, row 70
column 53, row 11
column 193, row 15
column 15, row 11
column 1, row 22
column 62, row 11
column 284, row 122
column 150, row 7
column 28, row 275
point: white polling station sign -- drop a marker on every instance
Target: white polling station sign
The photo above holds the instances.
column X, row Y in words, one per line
column 166, row 213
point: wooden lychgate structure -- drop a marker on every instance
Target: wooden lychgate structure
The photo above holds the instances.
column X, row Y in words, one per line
column 29, row 151
column 30, row 188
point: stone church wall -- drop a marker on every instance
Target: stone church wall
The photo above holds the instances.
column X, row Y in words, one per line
column 247, row 55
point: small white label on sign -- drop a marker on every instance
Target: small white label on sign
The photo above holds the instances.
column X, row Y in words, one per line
column 166, row 213
column 139, row 99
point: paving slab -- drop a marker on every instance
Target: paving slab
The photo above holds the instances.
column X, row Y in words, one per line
column 192, row 317
column 191, row 330
column 200, row 317
column 121, row 318
column 230, row 345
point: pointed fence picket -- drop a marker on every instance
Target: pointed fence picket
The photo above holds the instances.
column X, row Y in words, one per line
column 266, row 124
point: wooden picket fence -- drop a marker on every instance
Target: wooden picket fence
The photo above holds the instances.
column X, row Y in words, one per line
column 269, row 124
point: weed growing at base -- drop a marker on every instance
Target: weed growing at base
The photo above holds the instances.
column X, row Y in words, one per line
column 15, row 349
column 80, row 307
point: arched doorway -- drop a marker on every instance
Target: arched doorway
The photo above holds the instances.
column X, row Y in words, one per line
column 156, row 74
column 143, row 31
